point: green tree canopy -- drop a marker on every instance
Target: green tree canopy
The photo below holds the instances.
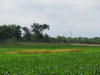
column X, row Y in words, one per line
column 38, row 30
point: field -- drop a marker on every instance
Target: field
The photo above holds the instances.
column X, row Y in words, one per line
column 49, row 59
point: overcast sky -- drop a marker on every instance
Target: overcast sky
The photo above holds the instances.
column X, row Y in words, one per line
column 81, row 17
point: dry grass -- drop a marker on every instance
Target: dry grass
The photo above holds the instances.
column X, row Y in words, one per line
column 87, row 44
column 10, row 52
column 66, row 50
column 43, row 51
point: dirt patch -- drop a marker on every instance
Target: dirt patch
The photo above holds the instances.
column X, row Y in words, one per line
column 43, row 51
column 87, row 44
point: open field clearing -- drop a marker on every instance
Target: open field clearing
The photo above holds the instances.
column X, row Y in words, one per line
column 49, row 59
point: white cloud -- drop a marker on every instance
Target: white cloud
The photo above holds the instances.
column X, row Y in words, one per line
column 80, row 16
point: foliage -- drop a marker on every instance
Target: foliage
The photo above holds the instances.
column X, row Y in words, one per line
column 67, row 63
column 27, row 34
column 16, row 33
column 10, row 31
column 38, row 30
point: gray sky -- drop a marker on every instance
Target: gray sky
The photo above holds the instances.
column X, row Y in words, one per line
column 82, row 17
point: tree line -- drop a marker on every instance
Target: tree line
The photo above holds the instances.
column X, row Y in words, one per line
column 17, row 33
column 14, row 33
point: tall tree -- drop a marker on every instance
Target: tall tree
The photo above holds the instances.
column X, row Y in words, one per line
column 10, row 31
column 27, row 33
column 38, row 30
column 16, row 31
column 46, row 38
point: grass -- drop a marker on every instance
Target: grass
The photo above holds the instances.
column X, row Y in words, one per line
column 85, row 60
column 42, row 51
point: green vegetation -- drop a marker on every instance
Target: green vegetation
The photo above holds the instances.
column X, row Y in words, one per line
column 17, row 33
column 35, row 33
column 86, row 62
